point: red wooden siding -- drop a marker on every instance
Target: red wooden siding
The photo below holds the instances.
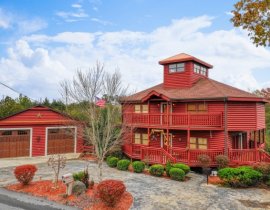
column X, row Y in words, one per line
column 260, row 116
column 241, row 116
column 181, row 79
column 40, row 114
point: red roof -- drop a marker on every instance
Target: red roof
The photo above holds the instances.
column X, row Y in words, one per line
column 204, row 88
column 183, row 57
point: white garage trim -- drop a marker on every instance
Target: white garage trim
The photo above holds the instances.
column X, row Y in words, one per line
column 46, row 137
column 31, row 136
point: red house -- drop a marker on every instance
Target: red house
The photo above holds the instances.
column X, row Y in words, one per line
column 39, row 131
column 190, row 114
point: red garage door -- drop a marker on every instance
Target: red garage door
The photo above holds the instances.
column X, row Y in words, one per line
column 14, row 143
column 60, row 140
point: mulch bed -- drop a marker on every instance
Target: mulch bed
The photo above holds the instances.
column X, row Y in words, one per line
column 215, row 180
column 86, row 201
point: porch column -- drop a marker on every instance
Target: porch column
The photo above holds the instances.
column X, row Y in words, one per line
column 226, row 128
column 256, row 145
column 188, row 144
column 248, row 139
column 131, row 142
column 148, row 131
column 167, row 140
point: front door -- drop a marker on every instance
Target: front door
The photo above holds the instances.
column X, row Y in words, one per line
column 164, row 111
column 237, row 141
column 164, row 143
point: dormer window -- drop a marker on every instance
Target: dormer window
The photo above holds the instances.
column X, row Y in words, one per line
column 176, row 67
column 199, row 69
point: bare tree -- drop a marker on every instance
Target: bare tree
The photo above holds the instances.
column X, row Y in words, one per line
column 56, row 163
column 102, row 125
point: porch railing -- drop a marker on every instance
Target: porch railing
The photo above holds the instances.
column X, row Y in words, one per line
column 175, row 119
column 159, row 155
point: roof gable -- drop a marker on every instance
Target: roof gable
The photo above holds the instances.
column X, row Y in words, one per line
column 36, row 115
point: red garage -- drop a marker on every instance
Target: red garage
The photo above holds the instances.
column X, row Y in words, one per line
column 39, row 131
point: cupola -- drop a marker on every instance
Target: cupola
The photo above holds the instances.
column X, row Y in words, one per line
column 183, row 70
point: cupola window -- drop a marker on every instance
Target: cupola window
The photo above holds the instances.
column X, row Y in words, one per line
column 176, row 67
column 199, row 69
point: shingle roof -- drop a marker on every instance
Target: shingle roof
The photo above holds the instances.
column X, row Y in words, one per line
column 183, row 57
column 204, row 88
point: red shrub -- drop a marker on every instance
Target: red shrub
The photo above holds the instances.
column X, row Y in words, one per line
column 25, row 173
column 110, row 191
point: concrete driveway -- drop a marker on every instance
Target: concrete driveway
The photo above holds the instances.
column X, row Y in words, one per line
column 159, row 193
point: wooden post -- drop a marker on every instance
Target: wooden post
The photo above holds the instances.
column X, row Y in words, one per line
column 226, row 128
column 188, row 144
column 255, row 144
column 167, row 140
column 131, row 142
column 148, row 131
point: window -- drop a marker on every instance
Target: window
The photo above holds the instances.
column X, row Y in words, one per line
column 141, row 138
column 176, row 67
column 137, row 138
column 145, row 139
column 191, row 107
column 141, row 108
column 137, row 108
column 6, row 133
column 201, row 107
column 200, row 69
column 145, row 108
column 198, row 143
column 23, row 132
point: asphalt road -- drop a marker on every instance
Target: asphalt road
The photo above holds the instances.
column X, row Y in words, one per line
column 17, row 201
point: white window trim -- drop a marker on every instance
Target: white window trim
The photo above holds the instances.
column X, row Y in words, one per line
column 31, row 136
column 59, row 127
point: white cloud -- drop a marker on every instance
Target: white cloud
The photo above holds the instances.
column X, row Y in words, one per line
column 30, row 26
column 77, row 14
column 102, row 22
column 37, row 63
column 76, row 5
column 5, row 20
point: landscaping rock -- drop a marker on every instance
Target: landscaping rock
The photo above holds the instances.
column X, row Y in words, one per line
column 78, row 188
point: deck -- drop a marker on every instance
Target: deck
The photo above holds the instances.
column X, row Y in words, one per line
column 176, row 120
column 153, row 155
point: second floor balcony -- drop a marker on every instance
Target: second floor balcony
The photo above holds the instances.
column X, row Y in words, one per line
column 175, row 120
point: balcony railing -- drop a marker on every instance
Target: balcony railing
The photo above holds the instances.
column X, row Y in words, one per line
column 175, row 119
column 155, row 155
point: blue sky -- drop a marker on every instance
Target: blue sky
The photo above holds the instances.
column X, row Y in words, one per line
column 44, row 42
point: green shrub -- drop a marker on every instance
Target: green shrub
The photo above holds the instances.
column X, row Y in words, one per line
column 112, row 161
column 177, row 174
column 123, row 165
column 82, row 176
column 182, row 166
column 78, row 176
column 263, row 168
column 156, row 170
column 78, row 188
column 222, row 161
column 240, row 177
column 138, row 166
column 168, row 168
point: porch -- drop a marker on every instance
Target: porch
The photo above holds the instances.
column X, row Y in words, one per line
column 153, row 155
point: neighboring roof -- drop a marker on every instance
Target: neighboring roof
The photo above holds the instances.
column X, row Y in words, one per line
column 183, row 57
column 12, row 119
column 204, row 88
